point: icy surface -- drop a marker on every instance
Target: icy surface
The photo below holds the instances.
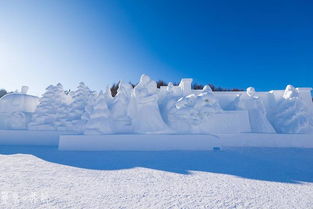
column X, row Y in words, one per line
column 234, row 178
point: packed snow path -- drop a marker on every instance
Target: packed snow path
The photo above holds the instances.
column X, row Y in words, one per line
column 43, row 177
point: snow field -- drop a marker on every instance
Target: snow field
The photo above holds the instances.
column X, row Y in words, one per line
column 233, row 178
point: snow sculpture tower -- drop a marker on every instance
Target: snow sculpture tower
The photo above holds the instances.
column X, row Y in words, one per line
column 24, row 89
column 185, row 86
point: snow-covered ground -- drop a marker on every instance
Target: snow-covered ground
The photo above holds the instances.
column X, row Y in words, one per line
column 43, row 177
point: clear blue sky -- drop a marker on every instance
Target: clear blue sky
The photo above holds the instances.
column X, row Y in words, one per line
column 265, row 44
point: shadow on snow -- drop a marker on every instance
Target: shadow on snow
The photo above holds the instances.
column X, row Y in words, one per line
column 279, row 165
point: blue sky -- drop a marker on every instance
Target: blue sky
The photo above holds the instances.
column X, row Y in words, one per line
column 265, row 44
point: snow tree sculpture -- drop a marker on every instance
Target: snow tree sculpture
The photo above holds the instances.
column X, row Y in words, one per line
column 45, row 115
column 108, row 97
column 291, row 115
column 89, row 107
column 122, row 121
column 73, row 118
column 99, row 122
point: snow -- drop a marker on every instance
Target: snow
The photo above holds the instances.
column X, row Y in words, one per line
column 120, row 108
column 50, row 106
column 194, row 142
column 266, row 140
column 16, row 102
column 233, row 178
column 264, row 160
column 290, row 114
column 144, row 110
column 99, row 122
column 25, row 137
column 138, row 142
column 185, row 86
column 256, row 109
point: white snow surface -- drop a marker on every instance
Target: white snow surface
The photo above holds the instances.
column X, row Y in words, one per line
column 38, row 177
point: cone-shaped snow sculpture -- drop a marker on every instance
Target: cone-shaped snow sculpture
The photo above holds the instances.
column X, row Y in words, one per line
column 99, row 122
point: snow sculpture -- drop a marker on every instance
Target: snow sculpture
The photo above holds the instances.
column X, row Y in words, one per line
column 16, row 110
column 122, row 121
column 182, row 116
column 170, row 87
column 72, row 114
column 291, row 115
column 207, row 102
column 99, row 122
column 167, row 100
column 89, row 107
column 191, row 112
column 256, row 109
column 185, row 86
column 108, row 97
column 16, row 102
column 24, row 89
column 45, row 115
column 144, row 110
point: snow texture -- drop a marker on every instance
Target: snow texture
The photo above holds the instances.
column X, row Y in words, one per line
column 233, row 178
column 136, row 142
column 158, row 142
